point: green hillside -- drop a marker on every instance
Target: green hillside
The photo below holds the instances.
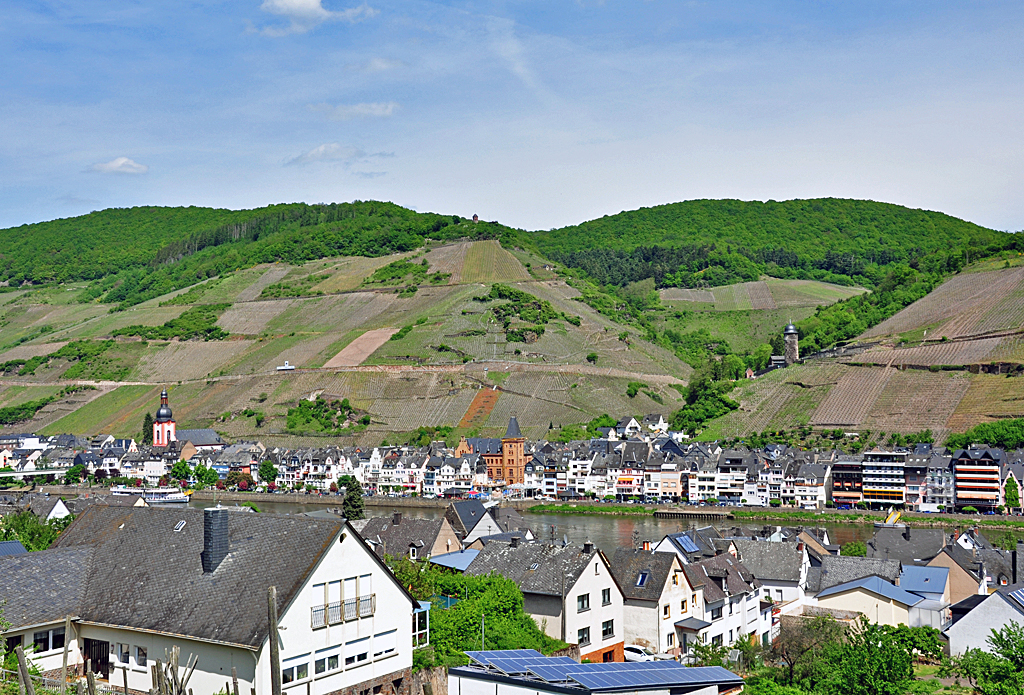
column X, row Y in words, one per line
column 703, row 243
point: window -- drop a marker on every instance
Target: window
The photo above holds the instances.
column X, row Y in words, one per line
column 682, row 605
column 583, row 635
column 582, row 603
column 606, row 596
column 412, row 553
column 141, row 656
column 608, row 657
column 320, row 666
column 287, row 675
column 642, row 579
column 717, row 640
column 670, row 639
column 332, row 662
column 666, row 611
column 301, row 671
column 607, row 629
column 716, row 613
column 46, row 640
column 597, row 568
column 675, row 579
column 357, row 651
column 730, row 636
column 294, row 672
column 385, row 643
column 123, row 652
column 778, row 594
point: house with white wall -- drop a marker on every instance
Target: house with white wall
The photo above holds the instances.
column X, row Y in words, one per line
column 568, row 589
column 199, row 579
column 732, row 607
column 780, row 567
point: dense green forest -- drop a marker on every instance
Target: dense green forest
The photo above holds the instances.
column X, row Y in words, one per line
column 705, row 243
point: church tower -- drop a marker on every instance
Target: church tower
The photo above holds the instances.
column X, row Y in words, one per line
column 513, row 454
column 792, row 341
column 163, row 425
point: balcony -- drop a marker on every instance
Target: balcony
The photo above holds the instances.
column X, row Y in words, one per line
column 343, row 611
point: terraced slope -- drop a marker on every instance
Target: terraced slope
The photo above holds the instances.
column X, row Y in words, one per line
column 765, row 295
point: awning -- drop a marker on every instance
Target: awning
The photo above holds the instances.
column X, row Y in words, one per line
column 692, row 624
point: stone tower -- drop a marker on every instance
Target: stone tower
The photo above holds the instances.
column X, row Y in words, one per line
column 513, row 453
column 792, row 340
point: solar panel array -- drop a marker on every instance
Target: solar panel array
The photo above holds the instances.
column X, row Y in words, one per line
column 532, row 665
column 688, row 544
column 1018, row 596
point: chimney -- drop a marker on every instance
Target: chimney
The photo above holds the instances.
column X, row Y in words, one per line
column 514, row 541
column 799, row 547
column 588, row 548
column 906, row 534
column 647, row 546
column 215, row 538
column 396, row 518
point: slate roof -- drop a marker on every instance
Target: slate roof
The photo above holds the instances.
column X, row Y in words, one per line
column 502, row 537
column 465, row 515
column 50, row 584
column 203, row 437
column 537, row 568
column 513, row 429
column 161, row 585
column 778, row 562
column 906, row 544
column 627, row 564
column 837, row 570
column 707, row 573
column 509, row 519
column 875, row 585
column 385, row 536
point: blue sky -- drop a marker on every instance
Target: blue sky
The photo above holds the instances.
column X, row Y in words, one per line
column 535, row 113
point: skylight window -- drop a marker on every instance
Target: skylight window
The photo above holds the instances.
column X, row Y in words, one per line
column 534, row 567
column 178, row 526
column 642, row 579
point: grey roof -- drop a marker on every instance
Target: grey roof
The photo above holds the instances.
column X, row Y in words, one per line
column 537, row 568
column 924, row 580
column 465, row 515
column 167, row 592
column 906, row 544
column 628, row 564
column 839, row 570
column 45, row 586
column 779, row 562
column 203, row 437
column 11, row 548
column 721, row 576
column 385, row 536
column 513, row 429
column 875, row 585
column 502, row 537
column 509, row 519
column 457, row 561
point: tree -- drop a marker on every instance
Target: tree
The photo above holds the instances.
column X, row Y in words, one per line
column 854, row 549
column 181, row 471
column 352, row 505
column 204, row 476
column 147, row 428
column 1012, row 493
column 868, row 662
column 33, row 533
column 74, row 475
column 267, row 471
column 592, row 357
column 238, row 479
column 800, row 643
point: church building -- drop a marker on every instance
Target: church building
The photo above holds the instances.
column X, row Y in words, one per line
column 164, row 430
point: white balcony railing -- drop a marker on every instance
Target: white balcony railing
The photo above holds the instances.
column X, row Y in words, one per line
column 343, row 611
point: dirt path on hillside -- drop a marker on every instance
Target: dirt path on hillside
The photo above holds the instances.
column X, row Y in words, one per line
column 356, row 352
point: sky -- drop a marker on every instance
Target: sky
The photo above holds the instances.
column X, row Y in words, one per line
column 534, row 113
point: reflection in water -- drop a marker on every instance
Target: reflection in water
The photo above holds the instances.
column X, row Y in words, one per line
column 605, row 531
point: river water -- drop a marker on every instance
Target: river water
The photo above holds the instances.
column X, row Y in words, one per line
column 607, row 532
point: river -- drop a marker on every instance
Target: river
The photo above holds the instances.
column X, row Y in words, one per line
column 607, row 532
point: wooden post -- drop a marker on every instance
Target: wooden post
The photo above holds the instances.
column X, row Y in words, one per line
column 64, row 666
column 275, row 647
column 234, row 680
column 23, row 673
column 154, row 688
column 80, row 688
column 90, row 681
column 124, row 673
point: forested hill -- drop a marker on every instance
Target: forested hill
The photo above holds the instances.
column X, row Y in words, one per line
column 715, row 242
column 139, row 253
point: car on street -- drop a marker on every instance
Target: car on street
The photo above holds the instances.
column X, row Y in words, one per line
column 634, row 652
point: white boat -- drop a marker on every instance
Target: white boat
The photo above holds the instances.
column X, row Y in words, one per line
column 153, row 495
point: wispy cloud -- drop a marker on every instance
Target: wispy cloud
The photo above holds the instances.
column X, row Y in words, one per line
column 121, row 165
column 308, row 14
column 329, row 152
column 379, row 65
column 72, row 200
column 345, row 112
column 369, row 174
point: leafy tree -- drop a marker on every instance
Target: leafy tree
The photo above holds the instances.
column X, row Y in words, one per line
column 147, row 429
column 205, row 477
column 352, row 505
column 267, row 471
column 592, row 357
column 854, row 549
column 240, row 479
column 868, row 662
column 800, row 644
column 1006, row 434
column 74, row 475
column 33, row 533
column 181, row 471
column 1012, row 493
column 250, row 505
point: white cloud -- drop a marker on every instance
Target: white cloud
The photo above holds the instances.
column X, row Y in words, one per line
column 380, row 65
column 329, row 152
column 121, row 165
column 369, row 174
column 307, row 14
column 345, row 112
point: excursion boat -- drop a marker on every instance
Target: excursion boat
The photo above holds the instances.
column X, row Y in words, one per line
column 154, row 495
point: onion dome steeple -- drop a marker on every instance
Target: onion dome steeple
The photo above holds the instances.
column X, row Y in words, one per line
column 163, row 414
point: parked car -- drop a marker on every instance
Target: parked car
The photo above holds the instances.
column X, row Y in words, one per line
column 635, row 652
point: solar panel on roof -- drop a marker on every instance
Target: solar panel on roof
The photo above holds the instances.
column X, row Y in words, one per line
column 1018, row 596
column 486, row 656
column 522, row 665
column 688, row 544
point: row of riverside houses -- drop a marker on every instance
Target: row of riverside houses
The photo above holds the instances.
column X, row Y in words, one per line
column 718, row 586
column 634, row 460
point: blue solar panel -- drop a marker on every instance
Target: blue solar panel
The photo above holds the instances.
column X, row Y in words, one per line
column 1018, row 596
column 522, row 665
column 688, row 544
column 485, row 657
column 640, row 677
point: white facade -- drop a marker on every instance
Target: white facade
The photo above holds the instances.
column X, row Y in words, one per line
column 651, row 624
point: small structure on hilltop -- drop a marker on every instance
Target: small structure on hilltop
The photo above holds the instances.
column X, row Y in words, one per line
column 792, row 341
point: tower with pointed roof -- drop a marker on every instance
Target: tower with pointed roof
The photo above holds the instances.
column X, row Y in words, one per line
column 513, row 454
column 164, row 430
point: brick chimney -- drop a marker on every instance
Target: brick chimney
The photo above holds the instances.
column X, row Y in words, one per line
column 588, row 548
column 647, row 546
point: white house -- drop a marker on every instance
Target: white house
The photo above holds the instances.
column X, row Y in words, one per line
column 569, row 590
column 199, row 580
